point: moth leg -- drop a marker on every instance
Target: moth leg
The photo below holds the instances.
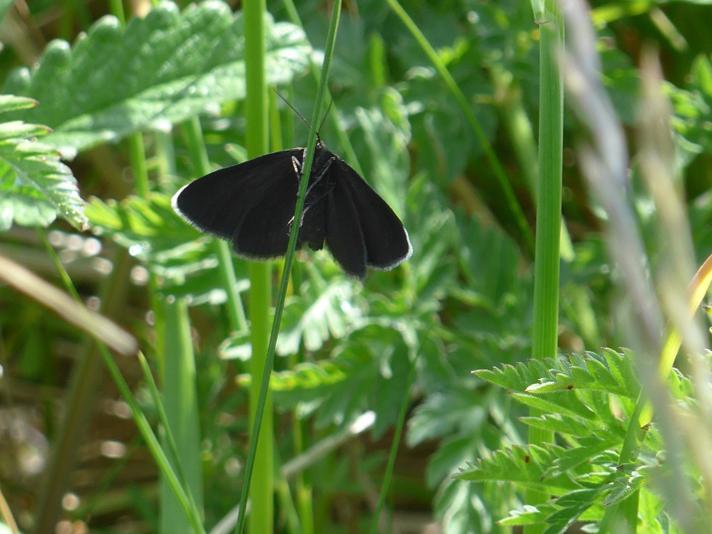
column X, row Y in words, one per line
column 298, row 170
column 318, row 178
column 321, row 175
column 297, row 165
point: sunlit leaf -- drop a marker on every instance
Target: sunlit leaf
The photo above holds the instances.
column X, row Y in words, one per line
column 35, row 186
column 157, row 70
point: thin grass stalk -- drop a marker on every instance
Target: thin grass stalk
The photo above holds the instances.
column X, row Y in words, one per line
column 290, row 511
column 464, row 104
column 289, row 515
column 388, row 475
column 181, row 411
column 289, row 259
column 261, row 488
column 548, row 220
column 80, row 398
column 121, row 266
column 304, row 495
column 162, row 417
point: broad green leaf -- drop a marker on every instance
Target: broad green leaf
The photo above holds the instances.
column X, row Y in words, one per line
column 157, row 70
column 35, row 186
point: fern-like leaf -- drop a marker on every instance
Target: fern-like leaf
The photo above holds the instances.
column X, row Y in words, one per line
column 527, row 466
column 610, row 372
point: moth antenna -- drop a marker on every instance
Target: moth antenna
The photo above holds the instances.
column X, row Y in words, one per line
column 296, row 112
column 331, row 102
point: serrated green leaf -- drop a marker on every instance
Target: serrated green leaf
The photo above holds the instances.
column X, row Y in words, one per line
column 570, row 507
column 610, row 372
column 35, row 186
column 563, row 423
column 517, row 377
column 446, row 413
column 526, row 515
column 13, row 103
column 368, row 371
column 157, row 70
column 524, row 465
column 141, row 224
column 305, row 377
column 588, row 451
column 183, row 261
column 555, row 403
column 318, row 314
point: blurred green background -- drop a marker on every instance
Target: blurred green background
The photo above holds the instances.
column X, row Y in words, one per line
column 414, row 335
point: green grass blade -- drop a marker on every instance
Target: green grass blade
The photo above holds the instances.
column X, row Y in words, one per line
column 289, row 259
column 388, row 475
column 181, row 410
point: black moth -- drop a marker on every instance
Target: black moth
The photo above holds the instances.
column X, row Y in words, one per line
column 252, row 205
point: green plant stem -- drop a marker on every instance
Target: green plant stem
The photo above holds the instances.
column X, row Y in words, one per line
column 162, row 417
column 117, row 9
column 548, row 221
column 303, row 491
column 471, row 118
column 137, row 154
column 388, row 475
column 289, row 259
column 261, row 488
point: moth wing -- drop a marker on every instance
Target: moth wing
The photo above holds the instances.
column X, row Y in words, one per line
column 218, row 202
column 386, row 239
column 264, row 230
column 343, row 231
